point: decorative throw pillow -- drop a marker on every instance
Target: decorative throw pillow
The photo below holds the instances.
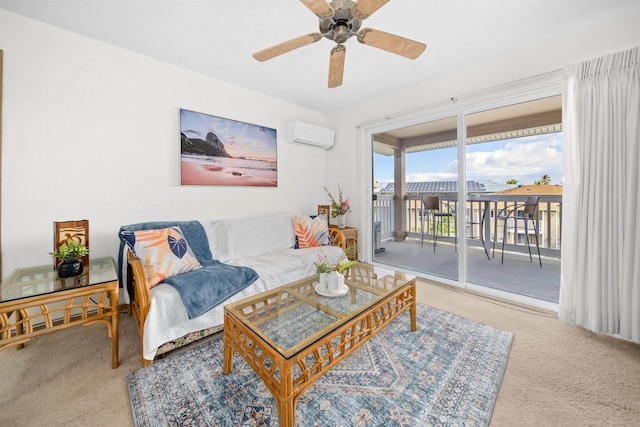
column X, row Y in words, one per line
column 164, row 252
column 311, row 231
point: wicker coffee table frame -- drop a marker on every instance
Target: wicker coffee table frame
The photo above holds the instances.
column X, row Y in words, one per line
column 289, row 372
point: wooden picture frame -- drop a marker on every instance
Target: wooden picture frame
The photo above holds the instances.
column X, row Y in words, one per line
column 325, row 210
column 64, row 231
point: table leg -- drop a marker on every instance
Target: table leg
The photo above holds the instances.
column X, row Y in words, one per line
column 19, row 328
column 114, row 328
column 287, row 413
column 413, row 310
column 227, row 361
column 483, row 222
column 286, row 402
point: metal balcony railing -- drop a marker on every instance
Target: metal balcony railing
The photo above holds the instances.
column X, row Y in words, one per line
column 479, row 227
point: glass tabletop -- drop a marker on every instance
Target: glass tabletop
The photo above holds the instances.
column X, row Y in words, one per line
column 293, row 316
column 42, row 280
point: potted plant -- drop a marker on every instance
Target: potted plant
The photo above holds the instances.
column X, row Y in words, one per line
column 70, row 254
column 331, row 274
column 343, row 263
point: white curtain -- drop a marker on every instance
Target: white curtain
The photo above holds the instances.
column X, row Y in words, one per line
column 600, row 280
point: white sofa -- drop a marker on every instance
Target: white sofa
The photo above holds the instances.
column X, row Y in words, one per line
column 265, row 244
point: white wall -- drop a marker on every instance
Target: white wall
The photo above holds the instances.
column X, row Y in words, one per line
column 91, row 131
column 613, row 32
column 112, row 115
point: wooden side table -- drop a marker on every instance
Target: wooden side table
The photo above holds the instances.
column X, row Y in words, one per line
column 347, row 238
column 34, row 302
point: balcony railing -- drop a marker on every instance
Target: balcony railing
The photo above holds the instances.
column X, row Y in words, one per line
column 479, row 227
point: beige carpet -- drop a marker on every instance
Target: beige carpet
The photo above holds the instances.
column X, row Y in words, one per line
column 557, row 375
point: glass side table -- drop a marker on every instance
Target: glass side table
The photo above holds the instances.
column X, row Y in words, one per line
column 34, row 301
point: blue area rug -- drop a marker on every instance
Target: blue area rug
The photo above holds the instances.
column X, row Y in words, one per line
column 446, row 373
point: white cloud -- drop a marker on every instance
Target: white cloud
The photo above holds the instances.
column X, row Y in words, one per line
column 523, row 159
column 432, row 176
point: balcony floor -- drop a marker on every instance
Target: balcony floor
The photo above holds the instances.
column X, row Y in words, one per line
column 517, row 275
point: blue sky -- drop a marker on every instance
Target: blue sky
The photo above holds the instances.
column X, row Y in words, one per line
column 524, row 159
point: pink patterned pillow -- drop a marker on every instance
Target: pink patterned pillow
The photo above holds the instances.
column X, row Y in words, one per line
column 163, row 252
column 311, row 231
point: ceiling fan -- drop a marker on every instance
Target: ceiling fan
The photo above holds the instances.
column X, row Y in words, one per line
column 340, row 20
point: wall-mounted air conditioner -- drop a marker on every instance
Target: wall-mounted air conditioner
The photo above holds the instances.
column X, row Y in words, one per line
column 306, row 133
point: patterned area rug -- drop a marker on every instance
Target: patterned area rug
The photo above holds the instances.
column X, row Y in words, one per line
column 447, row 373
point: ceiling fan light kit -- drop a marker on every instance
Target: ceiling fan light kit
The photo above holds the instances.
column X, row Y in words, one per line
column 339, row 21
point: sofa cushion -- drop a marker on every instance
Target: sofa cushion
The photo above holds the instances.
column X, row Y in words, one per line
column 164, row 252
column 311, row 231
column 232, row 239
column 288, row 265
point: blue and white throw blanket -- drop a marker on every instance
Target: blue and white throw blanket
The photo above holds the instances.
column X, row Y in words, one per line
column 204, row 288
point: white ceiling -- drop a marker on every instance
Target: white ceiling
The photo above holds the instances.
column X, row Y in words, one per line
column 217, row 38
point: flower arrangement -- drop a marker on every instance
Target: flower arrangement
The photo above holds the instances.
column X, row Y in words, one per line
column 341, row 206
column 324, row 266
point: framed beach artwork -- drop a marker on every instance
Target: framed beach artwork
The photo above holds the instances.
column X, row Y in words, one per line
column 219, row 151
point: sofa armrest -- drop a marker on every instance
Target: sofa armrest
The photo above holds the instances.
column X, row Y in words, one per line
column 141, row 298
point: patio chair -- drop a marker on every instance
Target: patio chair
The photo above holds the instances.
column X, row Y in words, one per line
column 431, row 208
column 527, row 213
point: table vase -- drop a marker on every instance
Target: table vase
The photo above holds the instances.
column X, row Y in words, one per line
column 69, row 269
column 335, row 282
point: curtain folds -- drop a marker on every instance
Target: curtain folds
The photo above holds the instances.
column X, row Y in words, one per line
column 600, row 279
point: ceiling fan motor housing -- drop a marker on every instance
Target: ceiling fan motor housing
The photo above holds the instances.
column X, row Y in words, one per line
column 343, row 24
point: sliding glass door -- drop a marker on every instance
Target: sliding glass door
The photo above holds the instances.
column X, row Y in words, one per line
column 415, row 198
column 449, row 210
column 515, row 152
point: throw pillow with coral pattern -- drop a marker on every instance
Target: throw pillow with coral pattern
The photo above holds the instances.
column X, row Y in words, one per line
column 311, row 232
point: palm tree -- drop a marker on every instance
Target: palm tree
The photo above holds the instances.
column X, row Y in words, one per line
column 545, row 180
column 512, row 182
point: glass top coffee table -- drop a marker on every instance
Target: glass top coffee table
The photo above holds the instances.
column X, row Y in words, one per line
column 292, row 335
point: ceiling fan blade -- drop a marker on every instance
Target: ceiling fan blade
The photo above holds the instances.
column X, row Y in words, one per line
column 320, row 7
column 336, row 65
column 391, row 43
column 365, row 8
column 289, row 45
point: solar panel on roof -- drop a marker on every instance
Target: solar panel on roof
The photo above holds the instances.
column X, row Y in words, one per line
column 436, row 187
